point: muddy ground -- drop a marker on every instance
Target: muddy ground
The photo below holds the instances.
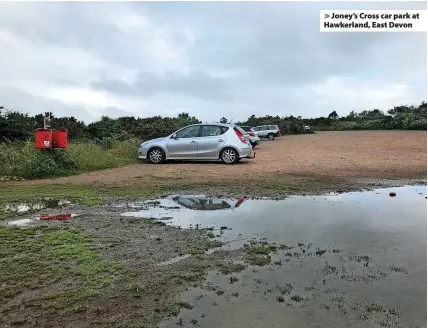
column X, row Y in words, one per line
column 100, row 269
column 149, row 263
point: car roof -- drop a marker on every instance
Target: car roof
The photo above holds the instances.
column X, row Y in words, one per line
column 218, row 124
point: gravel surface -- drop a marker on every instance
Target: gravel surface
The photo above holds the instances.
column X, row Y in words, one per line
column 350, row 154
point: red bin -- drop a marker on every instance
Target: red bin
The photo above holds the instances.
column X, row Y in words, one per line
column 59, row 139
column 43, row 139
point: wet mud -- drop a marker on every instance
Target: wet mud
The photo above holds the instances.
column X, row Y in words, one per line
column 351, row 260
column 338, row 260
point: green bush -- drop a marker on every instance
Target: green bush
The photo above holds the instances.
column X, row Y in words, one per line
column 21, row 159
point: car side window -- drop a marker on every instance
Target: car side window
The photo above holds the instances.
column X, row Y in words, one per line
column 256, row 128
column 212, row 130
column 263, row 127
column 272, row 127
column 189, row 132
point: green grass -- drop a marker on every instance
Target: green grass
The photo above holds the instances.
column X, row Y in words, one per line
column 91, row 157
column 21, row 159
column 39, row 258
column 13, row 193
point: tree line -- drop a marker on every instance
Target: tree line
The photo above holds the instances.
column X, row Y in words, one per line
column 18, row 126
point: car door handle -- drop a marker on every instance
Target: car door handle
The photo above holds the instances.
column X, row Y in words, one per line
column 220, row 140
column 193, row 141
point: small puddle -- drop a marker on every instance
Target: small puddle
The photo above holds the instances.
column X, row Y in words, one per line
column 20, row 222
column 22, row 208
column 42, row 217
column 175, row 259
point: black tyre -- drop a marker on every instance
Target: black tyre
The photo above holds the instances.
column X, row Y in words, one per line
column 271, row 136
column 253, row 144
column 156, row 155
column 229, row 156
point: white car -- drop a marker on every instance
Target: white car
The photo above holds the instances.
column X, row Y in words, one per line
column 253, row 135
column 268, row 131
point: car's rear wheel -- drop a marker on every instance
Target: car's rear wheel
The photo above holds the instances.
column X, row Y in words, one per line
column 229, row 156
column 271, row 136
column 156, row 155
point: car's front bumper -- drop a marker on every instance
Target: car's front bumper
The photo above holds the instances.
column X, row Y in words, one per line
column 142, row 153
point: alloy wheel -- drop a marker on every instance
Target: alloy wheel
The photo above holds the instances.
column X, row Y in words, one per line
column 229, row 156
column 156, row 156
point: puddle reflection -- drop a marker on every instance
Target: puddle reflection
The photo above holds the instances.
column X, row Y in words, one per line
column 355, row 259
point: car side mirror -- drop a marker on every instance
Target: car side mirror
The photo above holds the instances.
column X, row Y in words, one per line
column 174, row 136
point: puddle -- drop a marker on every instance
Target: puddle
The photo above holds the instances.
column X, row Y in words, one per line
column 175, row 259
column 354, row 259
column 34, row 206
column 42, row 217
column 20, row 222
column 206, row 203
column 179, row 206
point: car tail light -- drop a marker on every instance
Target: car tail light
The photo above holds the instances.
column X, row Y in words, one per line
column 251, row 134
column 240, row 136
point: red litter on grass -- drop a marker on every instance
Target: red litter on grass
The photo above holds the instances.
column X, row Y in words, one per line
column 58, row 217
column 240, row 201
column 392, row 194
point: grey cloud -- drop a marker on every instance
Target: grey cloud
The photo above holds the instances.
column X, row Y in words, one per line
column 116, row 112
column 197, row 84
column 278, row 44
column 14, row 99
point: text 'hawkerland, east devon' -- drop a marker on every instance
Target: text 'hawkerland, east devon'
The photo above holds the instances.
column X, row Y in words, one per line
column 367, row 25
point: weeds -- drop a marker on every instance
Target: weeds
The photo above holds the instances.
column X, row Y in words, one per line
column 22, row 159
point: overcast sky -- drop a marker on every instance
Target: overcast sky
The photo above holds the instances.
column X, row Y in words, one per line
column 210, row 59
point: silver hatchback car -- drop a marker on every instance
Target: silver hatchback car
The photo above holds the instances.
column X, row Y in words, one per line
column 206, row 142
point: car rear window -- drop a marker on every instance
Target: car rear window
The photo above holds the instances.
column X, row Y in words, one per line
column 245, row 128
column 240, row 129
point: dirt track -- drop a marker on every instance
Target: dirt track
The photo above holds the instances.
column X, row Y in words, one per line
column 354, row 154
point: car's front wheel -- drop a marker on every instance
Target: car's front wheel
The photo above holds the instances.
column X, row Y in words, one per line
column 271, row 136
column 156, row 155
column 229, row 156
